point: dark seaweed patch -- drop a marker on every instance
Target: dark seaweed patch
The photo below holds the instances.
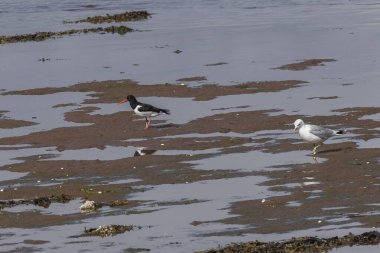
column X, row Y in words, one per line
column 110, row 230
column 41, row 36
column 41, row 201
column 301, row 244
column 121, row 17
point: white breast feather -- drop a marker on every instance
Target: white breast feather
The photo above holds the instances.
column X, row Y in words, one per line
column 307, row 136
column 144, row 114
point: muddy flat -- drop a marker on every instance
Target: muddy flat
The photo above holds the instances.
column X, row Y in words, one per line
column 224, row 171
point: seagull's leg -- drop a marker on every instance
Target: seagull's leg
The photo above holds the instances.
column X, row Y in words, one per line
column 315, row 148
column 313, row 152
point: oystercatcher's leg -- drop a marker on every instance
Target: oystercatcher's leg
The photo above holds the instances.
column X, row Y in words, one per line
column 146, row 123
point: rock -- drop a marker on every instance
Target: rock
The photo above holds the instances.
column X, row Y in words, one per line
column 89, row 205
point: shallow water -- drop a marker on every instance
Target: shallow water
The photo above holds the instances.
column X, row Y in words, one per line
column 8, row 175
column 253, row 38
column 294, row 31
column 367, row 249
column 261, row 161
column 43, row 113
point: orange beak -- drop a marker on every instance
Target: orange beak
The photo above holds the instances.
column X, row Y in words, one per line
column 123, row 101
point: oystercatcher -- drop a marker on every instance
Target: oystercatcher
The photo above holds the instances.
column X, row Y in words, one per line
column 141, row 151
column 144, row 110
column 315, row 134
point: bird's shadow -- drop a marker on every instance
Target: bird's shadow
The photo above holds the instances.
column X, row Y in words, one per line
column 315, row 156
column 164, row 126
column 332, row 150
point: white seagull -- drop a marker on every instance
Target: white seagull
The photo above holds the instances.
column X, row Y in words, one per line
column 315, row 134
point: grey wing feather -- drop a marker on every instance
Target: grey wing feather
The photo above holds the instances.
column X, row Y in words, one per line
column 321, row 132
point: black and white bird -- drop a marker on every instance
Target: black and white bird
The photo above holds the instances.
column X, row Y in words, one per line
column 144, row 110
column 315, row 134
column 141, row 151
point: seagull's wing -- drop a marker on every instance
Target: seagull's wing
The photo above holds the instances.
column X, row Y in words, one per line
column 321, row 132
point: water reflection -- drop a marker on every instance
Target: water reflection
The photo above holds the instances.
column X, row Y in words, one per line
column 141, row 151
column 254, row 161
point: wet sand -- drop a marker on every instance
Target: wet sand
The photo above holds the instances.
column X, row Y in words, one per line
column 225, row 166
column 306, row 64
column 313, row 189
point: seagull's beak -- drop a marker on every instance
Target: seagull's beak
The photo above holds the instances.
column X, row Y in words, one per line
column 295, row 129
column 123, row 101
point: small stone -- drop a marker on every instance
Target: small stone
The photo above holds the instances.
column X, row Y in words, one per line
column 263, row 201
column 88, row 205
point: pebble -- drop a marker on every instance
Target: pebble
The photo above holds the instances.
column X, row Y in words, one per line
column 88, row 205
